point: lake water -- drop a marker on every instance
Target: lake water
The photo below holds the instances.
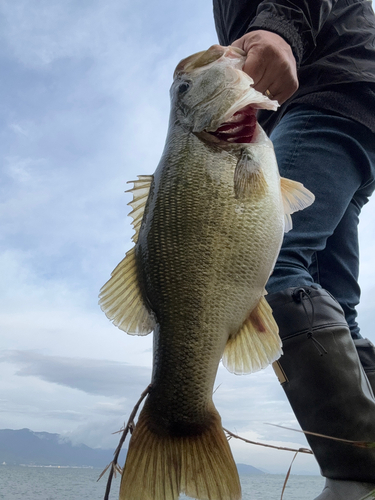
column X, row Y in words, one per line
column 49, row 483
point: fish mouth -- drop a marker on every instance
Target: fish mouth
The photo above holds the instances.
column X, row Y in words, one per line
column 241, row 128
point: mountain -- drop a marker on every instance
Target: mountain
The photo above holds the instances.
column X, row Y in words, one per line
column 42, row 448
column 245, row 470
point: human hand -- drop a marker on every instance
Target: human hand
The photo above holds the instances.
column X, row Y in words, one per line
column 270, row 63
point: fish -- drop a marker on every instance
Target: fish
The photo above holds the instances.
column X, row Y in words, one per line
column 208, row 225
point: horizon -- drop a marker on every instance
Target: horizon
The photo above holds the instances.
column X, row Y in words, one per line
column 66, row 440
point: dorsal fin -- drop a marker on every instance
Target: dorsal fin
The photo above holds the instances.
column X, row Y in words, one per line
column 140, row 192
column 295, row 197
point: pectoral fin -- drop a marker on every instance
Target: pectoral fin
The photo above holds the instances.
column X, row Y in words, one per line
column 295, row 197
column 256, row 345
column 248, row 177
column 121, row 301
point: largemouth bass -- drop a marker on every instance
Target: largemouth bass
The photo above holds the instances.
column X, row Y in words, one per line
column 208, row 228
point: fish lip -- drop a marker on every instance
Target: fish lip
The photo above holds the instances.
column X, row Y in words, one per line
column 255, row 100
column 239, row 121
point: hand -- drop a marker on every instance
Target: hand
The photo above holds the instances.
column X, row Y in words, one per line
column 270, row 63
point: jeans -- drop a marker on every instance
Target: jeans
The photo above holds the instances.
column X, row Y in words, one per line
column 334, row 157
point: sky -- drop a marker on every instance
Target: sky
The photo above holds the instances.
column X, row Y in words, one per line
column 84, row 110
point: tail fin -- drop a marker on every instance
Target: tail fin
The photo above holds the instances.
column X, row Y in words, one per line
column 160, row 467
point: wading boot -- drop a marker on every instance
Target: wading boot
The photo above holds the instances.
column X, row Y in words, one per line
column 327, row 388
column 366, row 353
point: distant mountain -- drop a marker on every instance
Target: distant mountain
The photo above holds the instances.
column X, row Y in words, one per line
column 244, row 470
column 42, row 448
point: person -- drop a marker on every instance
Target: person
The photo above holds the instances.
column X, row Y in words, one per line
column 317, row 58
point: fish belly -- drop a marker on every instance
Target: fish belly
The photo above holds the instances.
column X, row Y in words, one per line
column 203, row 258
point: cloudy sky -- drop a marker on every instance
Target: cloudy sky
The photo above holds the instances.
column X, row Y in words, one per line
column 84, row 109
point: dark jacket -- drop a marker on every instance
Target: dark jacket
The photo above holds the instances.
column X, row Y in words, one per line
column 333, row 42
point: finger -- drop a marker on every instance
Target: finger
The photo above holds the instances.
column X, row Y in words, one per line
column 239, row 43
column 252, row 65
column 255, row 68
column 280, row 80
column 263, row 81
column 281, row 89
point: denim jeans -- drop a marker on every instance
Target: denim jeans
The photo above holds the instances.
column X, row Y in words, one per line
column 334, row 157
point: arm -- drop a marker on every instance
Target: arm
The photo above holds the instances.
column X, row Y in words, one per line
column 298, row 22
column 279, row 36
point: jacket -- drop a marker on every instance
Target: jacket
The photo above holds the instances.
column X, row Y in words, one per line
column 333, row 42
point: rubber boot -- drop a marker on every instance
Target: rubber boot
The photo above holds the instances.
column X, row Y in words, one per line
column 366, row 353
column 327, row 388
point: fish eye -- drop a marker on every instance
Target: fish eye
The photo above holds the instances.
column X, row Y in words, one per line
column 183, row 87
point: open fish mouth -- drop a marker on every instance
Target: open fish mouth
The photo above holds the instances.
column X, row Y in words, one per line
column 240, row 128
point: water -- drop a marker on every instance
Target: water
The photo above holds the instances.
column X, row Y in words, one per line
column 49, row 483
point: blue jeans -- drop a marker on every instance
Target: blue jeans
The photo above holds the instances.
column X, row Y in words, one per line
column 334, row 157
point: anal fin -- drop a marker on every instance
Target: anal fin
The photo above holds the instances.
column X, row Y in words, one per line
column 257, row 343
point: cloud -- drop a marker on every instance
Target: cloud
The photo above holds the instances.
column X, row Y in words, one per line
column 38, row 36
column 108, row 378
column 30, row 401
column 97, row 433
column 86, row 400
column 87, row 110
